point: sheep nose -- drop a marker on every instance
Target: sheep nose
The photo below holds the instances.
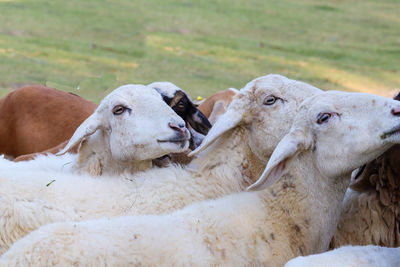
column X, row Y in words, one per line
column 396, row 111
column 178, row 127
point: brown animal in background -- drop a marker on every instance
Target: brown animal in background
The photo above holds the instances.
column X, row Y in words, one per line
column 215, row 105
column 53, row 150
column 46, row 115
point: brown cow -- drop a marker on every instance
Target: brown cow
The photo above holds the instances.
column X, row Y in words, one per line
column 35, row 118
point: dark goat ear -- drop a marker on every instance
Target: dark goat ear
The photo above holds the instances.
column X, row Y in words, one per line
column 198, row 121
column 191, row 114
column 397, row 97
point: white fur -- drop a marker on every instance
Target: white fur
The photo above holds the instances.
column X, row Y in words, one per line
column 240, row 145
column 268, row 227
column 349, row 256
column 165, row 88
column 42, row 162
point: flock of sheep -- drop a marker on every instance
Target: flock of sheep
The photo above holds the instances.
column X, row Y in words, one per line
column 143, row 178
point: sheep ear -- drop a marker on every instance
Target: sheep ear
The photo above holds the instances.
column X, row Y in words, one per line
column 287, row 150
column 360, row 177
column 87, row 128
column 397, row 97
column 226, row 122
column 193, row 116
column 198, row 121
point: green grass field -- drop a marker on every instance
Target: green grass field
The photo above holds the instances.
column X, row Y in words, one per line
column 202, row 46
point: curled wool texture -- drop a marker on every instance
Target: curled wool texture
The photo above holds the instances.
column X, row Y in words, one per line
column 371, row 215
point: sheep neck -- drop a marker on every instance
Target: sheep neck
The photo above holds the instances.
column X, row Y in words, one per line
column 129, row 166
column 308, row 203
column 230, row 157
column 95, row 157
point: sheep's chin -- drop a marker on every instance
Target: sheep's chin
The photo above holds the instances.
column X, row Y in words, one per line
column 174, row 146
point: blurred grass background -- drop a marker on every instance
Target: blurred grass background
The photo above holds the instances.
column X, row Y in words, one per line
column 92, row 46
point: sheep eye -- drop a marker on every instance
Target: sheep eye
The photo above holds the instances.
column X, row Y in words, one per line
column 118, row 110
column 270, row 100
column 323, row 117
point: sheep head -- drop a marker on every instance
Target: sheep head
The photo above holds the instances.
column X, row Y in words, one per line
column 137, row 123
column 341, row 130
column 265, row 107
column 366, row 177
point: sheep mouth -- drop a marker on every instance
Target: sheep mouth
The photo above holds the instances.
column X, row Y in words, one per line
column 393, row 131
column 173, row 140
column 176, row 140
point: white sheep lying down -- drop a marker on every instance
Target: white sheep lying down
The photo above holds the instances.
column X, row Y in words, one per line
column 240, row 144
column 131, row 126
column 351, row 256
column 267, row 227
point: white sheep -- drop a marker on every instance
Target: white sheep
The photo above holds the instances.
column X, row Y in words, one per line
column 240, row 145
column 131, row 126
column 267, row 227
column 351, row 256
